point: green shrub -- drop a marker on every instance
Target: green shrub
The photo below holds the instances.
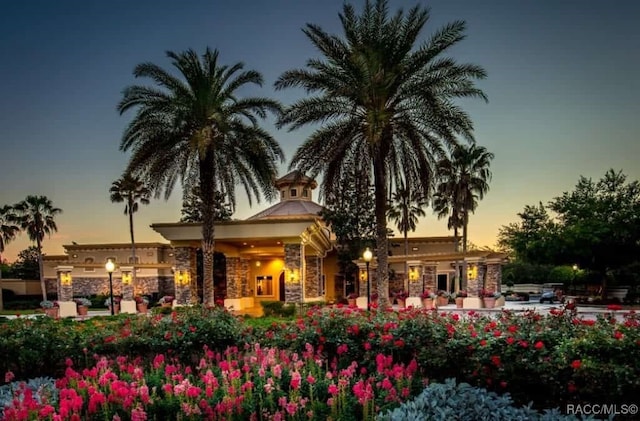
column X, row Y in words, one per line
column 451, row 401
column 278, row 308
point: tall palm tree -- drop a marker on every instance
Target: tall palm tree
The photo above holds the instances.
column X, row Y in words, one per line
column 36, row 215
column 380, row 100
column 405, row 209
column 197, row 122
column 8, row 231
column 132, row 191
column 464, row 181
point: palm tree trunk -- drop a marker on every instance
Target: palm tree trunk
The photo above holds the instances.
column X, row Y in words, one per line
column 41, row 270
column 1, row 302
column 133, row 249
column 406, row 264
column 459, row 280
column 382, row 272
column 207, row 174
column 464, row 250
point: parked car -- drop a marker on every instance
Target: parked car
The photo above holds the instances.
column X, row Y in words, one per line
column 551, row 297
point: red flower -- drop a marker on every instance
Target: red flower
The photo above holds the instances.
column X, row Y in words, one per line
column 618, row 335
column 576, row 364
column 539, row 345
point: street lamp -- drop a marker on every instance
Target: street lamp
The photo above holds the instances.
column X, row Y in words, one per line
column 367, row 256
column 573, row 280
column 110, row 267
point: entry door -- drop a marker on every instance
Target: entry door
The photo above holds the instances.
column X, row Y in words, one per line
column 281, row 287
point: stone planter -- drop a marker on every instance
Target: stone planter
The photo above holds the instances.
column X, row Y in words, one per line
column 459, row 302
column 489, row 302
column 83, row 310
column 427, row 303
column 443, row 301
column 52, row 312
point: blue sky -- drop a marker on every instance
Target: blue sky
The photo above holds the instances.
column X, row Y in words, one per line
column 562, row 89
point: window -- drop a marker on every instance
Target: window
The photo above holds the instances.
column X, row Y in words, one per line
column 294, row 193
column 305, row 193
column 264, row 286
column 282, row 194
column 89, row 261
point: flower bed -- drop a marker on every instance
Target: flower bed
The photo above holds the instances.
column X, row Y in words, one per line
column 550, row 360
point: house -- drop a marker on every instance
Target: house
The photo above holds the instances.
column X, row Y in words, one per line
column 285, row 252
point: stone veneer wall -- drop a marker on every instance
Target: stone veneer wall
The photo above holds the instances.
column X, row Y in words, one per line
column 234, row 277
column 494, row 277
column 430, row 278
column 312, row 276
column 83, row 287
column 244, row 279
column 292, row 291
column 415, row 287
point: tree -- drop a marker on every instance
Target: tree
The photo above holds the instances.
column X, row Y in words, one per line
column 27, row 265
column 464, row 179
column 36, row 215
column 132, row 192
column 596, row 226
column 192, row 206
column 404, row 209
column 382, row 101
column 197, row 123
column 348, row 211
column 8, row 231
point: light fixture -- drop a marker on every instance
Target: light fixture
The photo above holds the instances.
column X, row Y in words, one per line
column 258, row 263
column 292, row 277
column 367, row 256
column 126, row 278
column 413, row 273
column 65, row 278
column 182, row 277
column 110, row 267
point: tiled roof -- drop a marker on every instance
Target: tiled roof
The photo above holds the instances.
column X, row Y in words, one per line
column 289, row 209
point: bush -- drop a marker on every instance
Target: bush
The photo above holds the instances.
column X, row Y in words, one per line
column 277, row 308
column 451, row 401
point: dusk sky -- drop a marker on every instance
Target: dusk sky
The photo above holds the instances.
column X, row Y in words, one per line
column 562, row 84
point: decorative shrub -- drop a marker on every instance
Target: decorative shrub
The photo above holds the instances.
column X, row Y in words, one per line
column 277, row 308
column 81, row 301
column 451, row 401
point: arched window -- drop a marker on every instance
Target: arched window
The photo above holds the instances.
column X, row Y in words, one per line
column 89, row 261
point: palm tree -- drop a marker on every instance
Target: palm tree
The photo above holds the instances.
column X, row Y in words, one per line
column 196, row 123
column 8, row 231
column 35, row 215
column 464, row 179
column 382, row 102
column 405, row 209
column 132, row 191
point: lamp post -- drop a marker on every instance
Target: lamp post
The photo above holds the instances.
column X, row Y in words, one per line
column 110, row 267
column 573, row 279
column 367, row 256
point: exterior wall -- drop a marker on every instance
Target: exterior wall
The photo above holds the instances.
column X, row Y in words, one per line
column 267, row 267
column 430, row 277
column 22, row 286
column 312, row 277
column 83, row 287
column 292, row 259
column 493, row 279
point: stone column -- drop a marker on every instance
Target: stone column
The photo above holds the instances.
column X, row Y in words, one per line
column 234, row 278
column 65, row 288
column 416, row 270
column 430, row 277
column 493, row 278
column 293, row 275
column 127, row 283
column 244, row 278
column 312, row 276
column 185, row 265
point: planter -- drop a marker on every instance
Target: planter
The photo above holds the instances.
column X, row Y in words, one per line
column 427, row 303
column 401, row 303
column 166, row 305
column 489, row 302
column 116, row 309
column 351, row 302
column 442, row 301
column 52, row 312
column 142, row 308
column 83, row 310
column 459, row 302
